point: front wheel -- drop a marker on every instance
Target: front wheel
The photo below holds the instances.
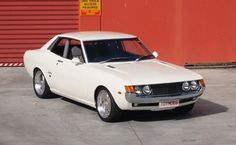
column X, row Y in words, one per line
column 40, row 85
column 107, row 109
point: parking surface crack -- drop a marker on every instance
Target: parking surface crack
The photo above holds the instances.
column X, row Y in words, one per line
column 135, row 133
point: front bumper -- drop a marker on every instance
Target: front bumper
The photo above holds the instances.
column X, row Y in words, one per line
column 152, row 103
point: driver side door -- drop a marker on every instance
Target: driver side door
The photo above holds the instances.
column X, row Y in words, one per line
column 70, row 78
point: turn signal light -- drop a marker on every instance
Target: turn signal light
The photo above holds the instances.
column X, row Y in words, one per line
column 202, row 83
column 129, row 89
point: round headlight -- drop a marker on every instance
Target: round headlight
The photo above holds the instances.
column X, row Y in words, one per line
column 147, row 90
column 186, row 86
column 194, row 85
column 138, row 90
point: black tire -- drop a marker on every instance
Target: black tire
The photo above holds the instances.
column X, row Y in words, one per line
column 184, row 109
column 46, row 93
column 115, row 111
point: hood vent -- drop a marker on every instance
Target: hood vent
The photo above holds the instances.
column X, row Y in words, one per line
column 110, row 66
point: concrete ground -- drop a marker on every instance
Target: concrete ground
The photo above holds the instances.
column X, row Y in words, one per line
column 28, row 120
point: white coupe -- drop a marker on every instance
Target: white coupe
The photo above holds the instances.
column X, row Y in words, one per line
column 111, row 72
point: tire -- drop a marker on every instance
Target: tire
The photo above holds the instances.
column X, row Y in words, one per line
column 184, row 109
column 106, row 107
column 41, row 88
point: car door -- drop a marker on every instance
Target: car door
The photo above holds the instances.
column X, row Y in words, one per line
column 55, row 54
column 69, row 77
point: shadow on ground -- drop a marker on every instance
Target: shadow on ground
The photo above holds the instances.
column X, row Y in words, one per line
column 202, row 108
column 79, row 104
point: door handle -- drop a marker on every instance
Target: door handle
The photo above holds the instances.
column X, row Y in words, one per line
column 60, row 61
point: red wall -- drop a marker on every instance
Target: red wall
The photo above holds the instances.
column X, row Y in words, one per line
column 209, row 30
column 182, row 31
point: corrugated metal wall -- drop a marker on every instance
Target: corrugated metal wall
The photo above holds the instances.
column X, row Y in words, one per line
column 28, row 24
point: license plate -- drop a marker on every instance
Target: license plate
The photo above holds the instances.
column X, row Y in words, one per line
column 168, row 103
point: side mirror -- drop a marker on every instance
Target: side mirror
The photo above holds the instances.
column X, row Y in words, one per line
column 155, row 54
column 76, row 60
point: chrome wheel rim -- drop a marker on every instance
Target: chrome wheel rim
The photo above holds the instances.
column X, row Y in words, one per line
column 103, row 104
column 39, row 83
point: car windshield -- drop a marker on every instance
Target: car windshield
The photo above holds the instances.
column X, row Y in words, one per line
column 116, row 50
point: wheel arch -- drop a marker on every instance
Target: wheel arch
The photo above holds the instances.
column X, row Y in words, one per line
column 39, row 68
column 96, row 92
column 44, row 73
column 35, row 69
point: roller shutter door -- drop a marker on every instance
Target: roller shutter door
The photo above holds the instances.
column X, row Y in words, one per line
column 28, row 24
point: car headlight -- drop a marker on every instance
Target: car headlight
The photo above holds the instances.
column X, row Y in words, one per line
column 186, row 86
column 138, row 90
column 194, row 85
column 147, row 90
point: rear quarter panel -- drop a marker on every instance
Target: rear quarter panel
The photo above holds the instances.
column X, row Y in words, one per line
column 36, row 59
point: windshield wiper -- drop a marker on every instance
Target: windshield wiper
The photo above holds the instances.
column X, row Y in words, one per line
column 114, row 59
column 144, row 57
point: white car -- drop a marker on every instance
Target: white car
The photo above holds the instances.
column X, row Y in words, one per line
column 111, row 72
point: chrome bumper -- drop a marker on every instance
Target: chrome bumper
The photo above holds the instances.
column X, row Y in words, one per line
column 132, row 98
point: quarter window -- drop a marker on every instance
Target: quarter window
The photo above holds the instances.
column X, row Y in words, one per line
column 60, row 47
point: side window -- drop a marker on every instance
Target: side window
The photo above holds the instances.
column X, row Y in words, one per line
column 59, row 47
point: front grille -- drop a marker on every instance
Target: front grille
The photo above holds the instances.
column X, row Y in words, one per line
column 170, row 89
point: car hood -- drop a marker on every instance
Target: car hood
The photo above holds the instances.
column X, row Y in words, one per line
column 148, row 72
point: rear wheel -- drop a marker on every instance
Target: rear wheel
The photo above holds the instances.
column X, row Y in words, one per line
column 107, row 109
column 184, row 109
column 40, row 85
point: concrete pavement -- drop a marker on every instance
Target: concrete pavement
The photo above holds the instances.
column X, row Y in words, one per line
column 28, row 120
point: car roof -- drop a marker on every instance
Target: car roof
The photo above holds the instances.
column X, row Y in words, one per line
column 96, row 35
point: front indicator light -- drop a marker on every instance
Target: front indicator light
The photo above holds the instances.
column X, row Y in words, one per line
column 202, row 83
column 129, row 89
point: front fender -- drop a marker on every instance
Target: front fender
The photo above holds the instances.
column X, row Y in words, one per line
column 113, row 83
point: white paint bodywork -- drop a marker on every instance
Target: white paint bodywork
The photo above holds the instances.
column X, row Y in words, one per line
column 79, row 82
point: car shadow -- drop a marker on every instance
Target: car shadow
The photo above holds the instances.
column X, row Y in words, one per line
column 202, row 108
column 52, row 96
column 78, row 104
column 55, row 96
